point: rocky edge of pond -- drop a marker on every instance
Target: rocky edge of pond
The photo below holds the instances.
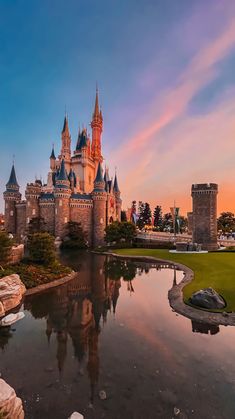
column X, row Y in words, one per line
column 175, row 294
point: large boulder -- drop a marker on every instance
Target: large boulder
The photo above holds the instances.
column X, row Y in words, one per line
column 11, row 293
column 10, row 405
column 207, row 298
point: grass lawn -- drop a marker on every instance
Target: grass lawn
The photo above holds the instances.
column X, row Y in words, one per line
column 216, row 270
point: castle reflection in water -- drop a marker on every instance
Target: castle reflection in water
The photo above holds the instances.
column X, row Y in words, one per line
column 78, row 309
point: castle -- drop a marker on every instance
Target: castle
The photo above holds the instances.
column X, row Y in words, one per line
column 76, row 189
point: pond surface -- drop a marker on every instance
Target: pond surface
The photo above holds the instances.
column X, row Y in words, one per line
column 104, row 333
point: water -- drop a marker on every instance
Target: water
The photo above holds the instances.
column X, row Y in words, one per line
column 100, row 332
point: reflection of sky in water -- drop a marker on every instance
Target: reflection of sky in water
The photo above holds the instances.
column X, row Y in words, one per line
column 144, row 356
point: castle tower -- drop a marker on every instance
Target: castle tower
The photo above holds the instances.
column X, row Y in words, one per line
column 62, row 194
column 32, row 194
column 118, row 200
column 97, row 127
column 11, row 196
column 99, row 196
column 205, row 215
column 52, row 160
column 66, row 142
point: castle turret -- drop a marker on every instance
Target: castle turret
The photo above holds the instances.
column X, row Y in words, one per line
column 12, row 196
column 62, row 194
column 32, row 194
column 52, row 159
column 66, row 141
column 97, row 127
column 118, row 200
column 99, row 208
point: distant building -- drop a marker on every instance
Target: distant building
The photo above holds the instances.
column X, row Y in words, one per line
column 205, row 215
column 190, row 222
column 76, row 189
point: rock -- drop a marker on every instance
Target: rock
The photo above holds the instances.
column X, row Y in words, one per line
column 10, row 405
column 207, row 298
column 11, row 293
column 102, row 395
column 11, row 319
column 176, row 411
column 76, row 415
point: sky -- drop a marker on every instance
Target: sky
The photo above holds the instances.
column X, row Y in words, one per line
column 166, row 76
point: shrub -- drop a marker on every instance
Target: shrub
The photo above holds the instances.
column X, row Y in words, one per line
column 41, row 248
column 120, row 231
column 5, row 247
column 75, row 237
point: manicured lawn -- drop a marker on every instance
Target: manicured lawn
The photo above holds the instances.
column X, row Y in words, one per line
column 216, row 270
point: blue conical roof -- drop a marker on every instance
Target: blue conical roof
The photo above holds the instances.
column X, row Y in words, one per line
column 12, row 179
column 82, row 140
column 52, row 156
column 99, row 176
column 115, row 185
column 62, row 173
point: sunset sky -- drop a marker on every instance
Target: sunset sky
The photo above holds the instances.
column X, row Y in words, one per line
column 166, row 76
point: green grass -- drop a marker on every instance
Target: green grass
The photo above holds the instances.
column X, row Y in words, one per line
column 216, row 270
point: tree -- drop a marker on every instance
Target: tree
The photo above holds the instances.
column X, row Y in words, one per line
column 5, row 247
column 157, row 217
column 123, row 216
column 117, row 231
column 41, row 248
column 140, row 221
column 75, row 237
column 182, row 224
column 226, row 222
column 147, row 214
column 36, row 225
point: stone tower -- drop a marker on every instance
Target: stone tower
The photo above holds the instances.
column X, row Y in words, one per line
column 99, row 196
column 205, row 215
column 66, row 143
column 62, row 194
column 32, row 194
column 97, row 127
column 11, row 196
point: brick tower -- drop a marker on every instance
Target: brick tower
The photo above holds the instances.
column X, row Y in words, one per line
column 11, row 196
column 205, row 215
column 99, row 196
column 62, row 194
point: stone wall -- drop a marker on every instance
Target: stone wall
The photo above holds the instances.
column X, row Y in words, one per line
column 20, row 220
column 81, row 212
column 47, row 212
column 99, row 218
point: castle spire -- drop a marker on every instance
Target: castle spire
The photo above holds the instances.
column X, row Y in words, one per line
column 52, row 156
column 97, row 128
column 12, row 182
column 96, row 112
column 66, row 140
column 115, row 185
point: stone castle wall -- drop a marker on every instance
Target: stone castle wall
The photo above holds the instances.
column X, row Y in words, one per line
column 47, row 212
column 82, row 213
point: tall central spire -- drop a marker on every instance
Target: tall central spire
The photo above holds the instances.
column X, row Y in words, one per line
column 97, row 127
column 66, row 140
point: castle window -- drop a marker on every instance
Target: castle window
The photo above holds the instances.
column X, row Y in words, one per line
column 65, row 219
column 101, row 221
column 56, row 211
column 6, row 205
column 33, row 212
column 28, row 220
column 11, row 213
column 28, row 203
column 89, row 179
column 60, row 202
